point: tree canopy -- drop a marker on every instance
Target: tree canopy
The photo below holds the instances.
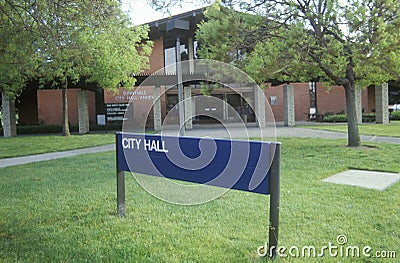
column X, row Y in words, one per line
column 92, row 39
column 343, row 42
column 17, row 52
column 295, row 40
column 69, row 40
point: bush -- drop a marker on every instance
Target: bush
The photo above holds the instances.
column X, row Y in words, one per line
column 37, row 129
column 395, row 115
column 55, row 128
column 335, row 117
column 368, row 117
column 110, row 126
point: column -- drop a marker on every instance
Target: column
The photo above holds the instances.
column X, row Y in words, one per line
column 259, row 106
column 288, row 110
column 180, row 87
column 9, row 120
column 83, row 112
column 382, row 103
column 187, row 94
column 157, row 108
column 191, row 54
column 358, row 100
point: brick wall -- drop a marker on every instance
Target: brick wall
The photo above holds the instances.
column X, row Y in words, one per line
column 365, row 100
column 301, row 101
column 277, row 109
column 371, row 99
column 333, row 99
column 330, row 99
column 156, row 57
column 50, row 106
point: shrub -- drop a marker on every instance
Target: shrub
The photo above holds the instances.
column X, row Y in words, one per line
column 368, row 117
column 395, row 115
column 41, row 128
column 55, row 128
column 335, row 118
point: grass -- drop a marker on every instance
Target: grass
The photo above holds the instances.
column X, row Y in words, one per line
column 391, row 130
column 27, row 145
column 65, row 210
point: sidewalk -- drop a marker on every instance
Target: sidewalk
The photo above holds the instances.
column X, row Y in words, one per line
column 310, row 133
column 214, row 131
column 54, row 155
column 237, row 132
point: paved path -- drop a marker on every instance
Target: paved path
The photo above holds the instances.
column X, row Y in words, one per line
column 310, row 133
column 236, row 131
column 233, row 131
column 55, row 155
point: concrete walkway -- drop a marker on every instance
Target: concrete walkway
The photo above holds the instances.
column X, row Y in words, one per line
column 54, row 155
column 235, row 131
column 310, row 133
column 214, row 131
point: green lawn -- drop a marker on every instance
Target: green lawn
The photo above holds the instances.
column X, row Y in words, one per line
column 391, row 130
column 27, row 145
column 65, row 210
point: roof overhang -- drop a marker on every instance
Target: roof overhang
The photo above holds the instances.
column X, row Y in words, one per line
column 183, row 25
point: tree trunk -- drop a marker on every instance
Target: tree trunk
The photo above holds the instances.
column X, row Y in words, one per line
column 65, row 125
column 352, row 124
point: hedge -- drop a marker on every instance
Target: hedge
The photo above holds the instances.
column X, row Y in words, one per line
column 395, row 115
column 367, row 117
column 53, row 128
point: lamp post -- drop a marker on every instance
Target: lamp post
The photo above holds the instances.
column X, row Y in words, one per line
column 178, row 27
column 180, row 88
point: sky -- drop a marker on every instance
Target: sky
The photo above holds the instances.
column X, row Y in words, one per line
column 141, row 12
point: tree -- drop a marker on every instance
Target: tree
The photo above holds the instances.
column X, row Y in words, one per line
column 346, row 43
column 17, row 54
column 91, row 39
column 62, row 41
column 17, row 58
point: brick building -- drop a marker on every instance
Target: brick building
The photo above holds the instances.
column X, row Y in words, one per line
column 315, row 97
column 44, row 106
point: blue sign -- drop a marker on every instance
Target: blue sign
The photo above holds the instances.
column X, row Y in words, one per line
column 235, row 164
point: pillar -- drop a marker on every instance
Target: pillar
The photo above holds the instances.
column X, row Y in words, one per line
column 191, row 54
column 187, row 94
column 358, row 100
column 259, row 106
column 382, row 103
column 83, row 111
column 9, row 120
column 288, row 110
column 157, row 108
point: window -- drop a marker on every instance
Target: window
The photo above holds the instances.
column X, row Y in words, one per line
column 272, row 100
column 170, row 58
